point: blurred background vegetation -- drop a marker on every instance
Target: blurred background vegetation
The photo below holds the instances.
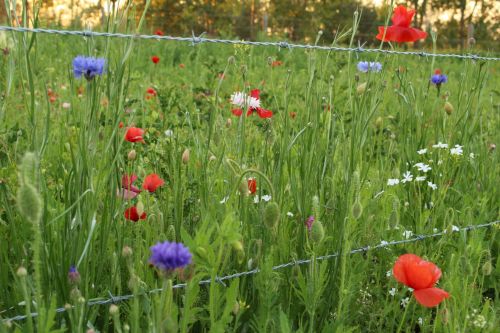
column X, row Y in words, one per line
column 456, row 21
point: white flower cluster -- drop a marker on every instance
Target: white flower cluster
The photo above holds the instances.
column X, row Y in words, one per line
column 242, row 100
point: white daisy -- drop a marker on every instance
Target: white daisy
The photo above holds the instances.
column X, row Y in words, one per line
column 422, row 167
column 392, row 292
column 422, row 151
column 440, row 145
column 392, row 181
column 266, row 198
column 169, row 133
column 457, row 150
column 431, row 185
column 420, row 178
column 407, row 177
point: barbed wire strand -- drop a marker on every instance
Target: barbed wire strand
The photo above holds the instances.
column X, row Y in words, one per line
column 285, row 45
column 116, row 299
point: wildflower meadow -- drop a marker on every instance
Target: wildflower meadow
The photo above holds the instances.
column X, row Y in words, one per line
column 149, row 185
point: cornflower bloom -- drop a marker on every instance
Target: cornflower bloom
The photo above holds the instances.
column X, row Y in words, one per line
column 365, row 66
column 168, row 256
column 89, row 67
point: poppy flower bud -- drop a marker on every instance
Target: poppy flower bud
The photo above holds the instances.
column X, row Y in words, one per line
column 357, row 209
column 229, row 122
column 185, row 156
column 21, row 272
column 113, row 309
column 448, row 107
column 29, row 203
column 269, row 61
column 240, row 252
column 132, row 155
column 127, row 251
column 317, row 232
column 231, row 60
column 320, row 32
column 487, row 268
column 140, row 208
column 361, row 88
column 171, row 233
column 236, row 308
column 75, row 294
column 212, row 158
column 29, row 168
column 271, row 214
column 379, row 122
column 200, row 251
column 243, row 69
column 243, row 188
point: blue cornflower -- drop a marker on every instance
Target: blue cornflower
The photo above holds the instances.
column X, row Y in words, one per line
column 169, row 256
column 438, row 78
column 365, row 66
column 88, row 67
column 73, row 275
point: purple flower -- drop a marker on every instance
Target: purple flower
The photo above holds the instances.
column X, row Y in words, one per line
column 365, row 66
column 169, row 256
column 73, row 275
column 89, row 67
column 439, row 79
column 309, row 222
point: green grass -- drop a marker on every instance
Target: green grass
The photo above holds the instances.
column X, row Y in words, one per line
column 332, row 160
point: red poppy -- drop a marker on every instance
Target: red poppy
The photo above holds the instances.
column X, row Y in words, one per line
column 421, row 276
column 252, row 185
column 276, row 63
column 400, row 30
column 159, row 32
column 120, row 125
column 152, row 182
column 151, row 91
column 437, row 72
column 254, row 94
column 132, row 214
column 293, row 115
column 182, row 66
column 134, row 134
column 155, row 59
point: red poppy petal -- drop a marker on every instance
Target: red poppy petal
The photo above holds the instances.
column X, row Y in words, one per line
column 402, row 17
column 430, row 297
column 400, row 34
column 399, row 270
column 237, row 112
column 420, row 275
column 255, row 93
column 263, row 113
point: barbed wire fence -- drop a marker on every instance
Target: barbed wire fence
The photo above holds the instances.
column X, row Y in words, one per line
column 194, row 40
column 383, row 244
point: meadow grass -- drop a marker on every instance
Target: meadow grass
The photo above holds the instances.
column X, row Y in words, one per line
column 335, row 139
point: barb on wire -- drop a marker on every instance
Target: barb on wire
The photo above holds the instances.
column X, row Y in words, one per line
column 196, row 40
column 116, row 299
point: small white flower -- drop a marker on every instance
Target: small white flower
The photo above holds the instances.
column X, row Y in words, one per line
column 435, row 230
column 407, row 234
column 407, row 177
column 457, row 150
column 256, row 199
column 289, row 214
column 440, row 145
column 410, row 289
column 440, row 162
column 266, row 198
column 422, row 151
column 422, row 167
column 392, row 292
column 431, row 204
column 169, row 133
column 224, row 200
column 392, row 181
column 431, row 185
column 420, row 321
column 66, row 105
column 384, row 243
column 243, row 100
column 472, row 156
column 389, row 273
column 405, row 301
column 420, row 178
column 454, row 228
